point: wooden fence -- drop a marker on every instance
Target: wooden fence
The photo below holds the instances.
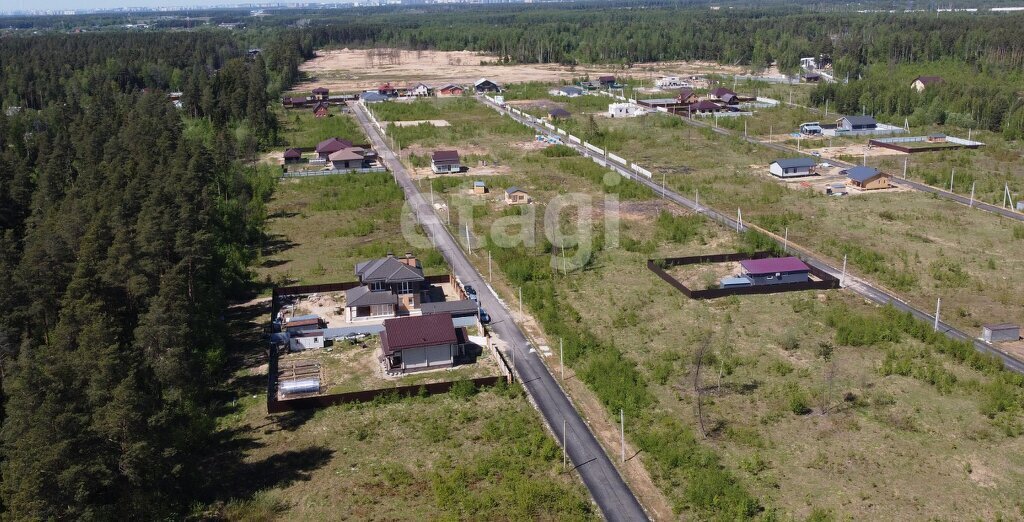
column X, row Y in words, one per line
column 827, row 281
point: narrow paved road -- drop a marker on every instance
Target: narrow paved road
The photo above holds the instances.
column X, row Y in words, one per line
column 860, row 286
column 606, row 486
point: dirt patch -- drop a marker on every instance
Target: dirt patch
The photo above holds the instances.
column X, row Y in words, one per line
column 330, row 307
column 348, row 70
column 857, row 150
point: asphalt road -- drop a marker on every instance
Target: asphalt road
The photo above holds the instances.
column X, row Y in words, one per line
column 606, row 486
column 860, row 286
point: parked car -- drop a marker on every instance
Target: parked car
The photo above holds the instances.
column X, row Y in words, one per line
column 471, row 292
column 484, row 318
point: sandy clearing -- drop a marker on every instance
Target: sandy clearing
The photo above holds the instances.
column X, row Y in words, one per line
column 349, row 70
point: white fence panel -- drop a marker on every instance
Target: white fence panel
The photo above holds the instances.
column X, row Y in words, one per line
column 600, row 162
column 560, row 131
column 661, row 109
column 641, row 170
column 619, row 159
column 550, row 126
column 574, row 139
column 593, row 148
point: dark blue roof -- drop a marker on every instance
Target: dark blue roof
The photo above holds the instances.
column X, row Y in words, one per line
column 861, row 173
column 860, row 121
column 793, row 163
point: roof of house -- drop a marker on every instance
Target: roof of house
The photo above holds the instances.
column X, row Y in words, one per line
column 606, row 78
column 303, row 322
column 859, row 120
column 795, row 163
column 570, row 89
column 321, row 105
column 389, row 270
column 513, row 190
column 1001, row 326
column 372, row 96
column 559, row 113
column 811, row 125
column 482, row 81
column 363, row 296
column 773, row 265
column 928, row 80
column 417, row 85
column 449, row 87
column 861, row 173
column 685, row 93
column 349, row 154
column 936, row 135
column 812, row 75
column 402, row 333
column 321, row 90
column 445, row 155
column 738, row 280
column 385, row 87
column 298, row 100
column 479, row 184
column 292, row 153
column 729, row 98
column 307, row 333
column 465, row 306
column 722, row 91
column 705, row 105
column 332, row 145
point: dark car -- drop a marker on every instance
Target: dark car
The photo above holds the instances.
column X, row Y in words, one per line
column 484, row 318
column 471, row 292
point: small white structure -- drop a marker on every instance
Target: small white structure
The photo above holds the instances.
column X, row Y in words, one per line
column 569, row 91
column 809, row 63
column 625, row 110
column 420, row 90
column 308, row 340
column 671, row 82
column 792, row 167
column 1000, row 333
column 298, row 386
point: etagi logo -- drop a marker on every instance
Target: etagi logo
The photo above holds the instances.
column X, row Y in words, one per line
column 568, row 222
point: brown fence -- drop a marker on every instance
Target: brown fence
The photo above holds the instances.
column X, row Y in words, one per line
column 322, row 401
column 912, row 150
column 827, row 281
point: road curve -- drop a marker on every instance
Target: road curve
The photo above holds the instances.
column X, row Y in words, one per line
column 859, row 286
column 602, row 479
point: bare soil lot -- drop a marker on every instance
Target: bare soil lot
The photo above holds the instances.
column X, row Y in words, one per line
column 348, row 70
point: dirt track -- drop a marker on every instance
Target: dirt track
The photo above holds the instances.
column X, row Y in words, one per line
column 349, row 70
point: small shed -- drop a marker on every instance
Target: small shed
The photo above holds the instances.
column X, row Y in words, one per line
column 445, row 161
column 811, row 128
column 292, row 155
column 866, row 178
column 1000, row 333
column 419, row 342
column 516, row 196
column 479, row 187
column 792, row 167
column 937, row 137
column 775, row 270
column 306, row 340
column 606, row 81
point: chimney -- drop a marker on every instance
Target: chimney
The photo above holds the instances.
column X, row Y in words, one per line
column 410, row 260
column 391, row 254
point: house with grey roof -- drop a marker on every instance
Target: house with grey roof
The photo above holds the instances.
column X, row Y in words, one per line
column 388, row 287
column 570, row 91
column 792, row 167
column 866, row 178
column 516, row 196
column 856, row 123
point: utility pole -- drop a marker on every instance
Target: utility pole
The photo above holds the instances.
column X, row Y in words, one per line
column 469, row 246
column 622, row 433
column 696, row 198
column 739, row 219
column 488, row 266
column 951, row 173
column 938, row 305
column 842, row 278
column 561, row 358
column 520, row 302
column 564, row 441
column 972, row 194
column 663, row 194
column 785, row 242
column 905, row 160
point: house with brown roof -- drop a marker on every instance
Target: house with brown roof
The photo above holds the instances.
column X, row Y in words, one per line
column 923, row 82
column 445, row 161
column 686, row 96
column 606, row 81
column 322, row 93
column 348, row 158
column 387, row 90
column 418, row 343
column 389, row 286
column 720, row 93
column 704, row 107
column 866, row 178
column 325, row 148
column 451, row 90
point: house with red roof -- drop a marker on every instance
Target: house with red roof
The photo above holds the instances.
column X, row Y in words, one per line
column 387, row 90
column 292, row 155
column 321, row 110
column 417, row 343
column 451, row 90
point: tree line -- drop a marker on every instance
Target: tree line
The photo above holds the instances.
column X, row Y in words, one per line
column 122, row 236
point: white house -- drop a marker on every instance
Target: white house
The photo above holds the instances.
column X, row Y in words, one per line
column 671, row 82
column 792, row 167
column 420, row 89
column 570, row 91
column 625, row 110
column 308, row 340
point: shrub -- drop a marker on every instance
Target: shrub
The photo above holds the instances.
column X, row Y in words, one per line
column 463, row 390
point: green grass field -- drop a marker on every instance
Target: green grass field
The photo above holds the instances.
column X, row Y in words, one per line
column 817, row 405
